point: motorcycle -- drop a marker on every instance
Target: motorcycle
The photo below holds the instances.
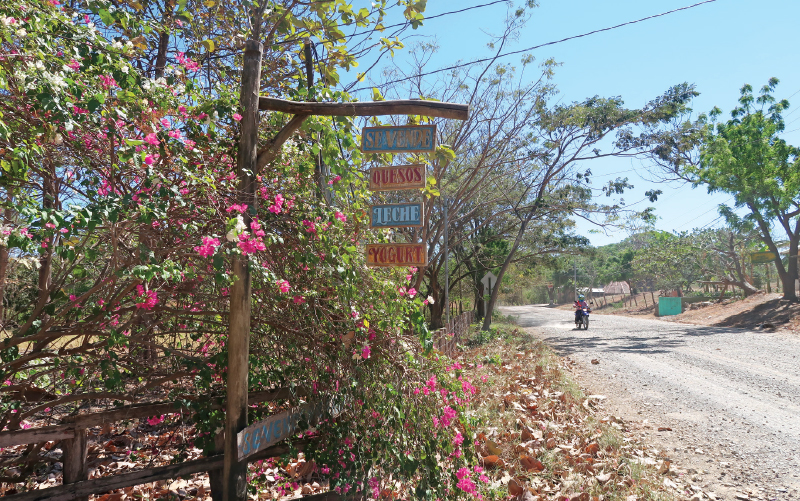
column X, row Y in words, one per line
column 582, row 318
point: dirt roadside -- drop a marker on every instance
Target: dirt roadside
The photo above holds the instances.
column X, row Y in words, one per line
column 726, row 399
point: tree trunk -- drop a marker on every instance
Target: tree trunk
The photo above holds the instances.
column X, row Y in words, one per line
column 480, row 304
column 4, row 270
column 437, row 308
column 487, row 321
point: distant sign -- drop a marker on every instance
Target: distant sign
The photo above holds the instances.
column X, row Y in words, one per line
column 489, row 281
column 404, row 139
column 396, row 215
column 259, row 436
column 397, row 255
column 397, row 177
column 762, row 257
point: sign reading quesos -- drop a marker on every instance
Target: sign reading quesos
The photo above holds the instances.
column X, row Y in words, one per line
column 397, row 177
column 403, row 139
column 396, row 215
column 397, row 255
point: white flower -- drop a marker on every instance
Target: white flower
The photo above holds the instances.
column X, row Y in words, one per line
column 39, row 65
column 125, row 69
column 117, row 45
column 430, row 300
column 233, row 235
column 22, row 33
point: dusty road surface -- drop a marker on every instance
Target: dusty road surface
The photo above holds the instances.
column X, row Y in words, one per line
column 731, row 397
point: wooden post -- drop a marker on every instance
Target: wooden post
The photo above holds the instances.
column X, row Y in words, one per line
column 769, row 284
column 74, row 459
column 215, row 477
column 235, row 471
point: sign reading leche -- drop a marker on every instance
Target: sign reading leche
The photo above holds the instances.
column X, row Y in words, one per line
column 403, row 139
column 396, row 215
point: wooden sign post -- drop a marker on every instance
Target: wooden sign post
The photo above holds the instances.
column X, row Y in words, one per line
column 251, row 162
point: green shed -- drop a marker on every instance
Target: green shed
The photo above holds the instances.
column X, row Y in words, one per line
column 669, row 306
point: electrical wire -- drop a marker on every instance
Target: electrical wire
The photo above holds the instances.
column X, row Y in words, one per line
column 398, row 25
column 505, row 54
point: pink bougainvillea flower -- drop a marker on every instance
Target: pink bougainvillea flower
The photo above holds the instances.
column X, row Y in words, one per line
column 283, row 285
column 107, row 81
column 412, row 292
column 149, row 159
column 209, row 247
column 237, row 207
column 277, row 207
column 154, row 420
column 237, row 117
column 74, row 65
column 151, row 139
column 341, row 217
column 149, row 298
column 335, row 180
column 366, row 352
column 298, row 300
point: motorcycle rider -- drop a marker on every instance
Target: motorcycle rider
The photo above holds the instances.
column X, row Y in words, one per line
column 579, row 305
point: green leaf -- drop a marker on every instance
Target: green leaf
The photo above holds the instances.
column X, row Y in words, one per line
column 209, row 45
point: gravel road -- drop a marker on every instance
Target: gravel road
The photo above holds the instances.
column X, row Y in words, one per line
column 731, row 397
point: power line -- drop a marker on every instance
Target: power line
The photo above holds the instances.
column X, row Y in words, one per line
column 478, row 61
column 398, row 25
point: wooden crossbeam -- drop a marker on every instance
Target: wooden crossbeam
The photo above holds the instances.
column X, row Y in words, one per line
column 368, row 109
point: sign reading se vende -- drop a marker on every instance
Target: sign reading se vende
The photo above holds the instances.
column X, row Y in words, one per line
column 403, row 139
column 396, row 215
column 397, row 177
column 397, row 255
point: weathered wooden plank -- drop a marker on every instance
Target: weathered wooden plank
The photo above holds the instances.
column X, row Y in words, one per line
column 368, row 109
column 401, row 139
column 281, row 426
column 74, row 460
column 36, row 435
column 397, row 255
column 100, row 485
column 397, row 177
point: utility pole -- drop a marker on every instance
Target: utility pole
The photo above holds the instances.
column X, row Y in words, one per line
column 575, row 279
column 446, row 266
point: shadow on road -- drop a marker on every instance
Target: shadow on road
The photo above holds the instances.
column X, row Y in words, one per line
column 653, row 336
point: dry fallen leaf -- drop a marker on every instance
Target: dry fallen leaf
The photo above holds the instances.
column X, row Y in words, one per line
column 493, row 448
column 592, row 448
column 664, row 467
column 595, row 361
column 531, row 464
column 492, row 461
column 515, row 487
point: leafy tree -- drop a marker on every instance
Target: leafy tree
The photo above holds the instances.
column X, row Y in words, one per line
column 746, row 158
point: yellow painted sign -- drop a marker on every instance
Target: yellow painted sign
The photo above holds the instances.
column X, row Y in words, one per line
column 762, row 257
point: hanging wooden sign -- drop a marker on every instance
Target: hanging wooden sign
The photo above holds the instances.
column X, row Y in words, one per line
column 762, row 257
column 396, row 215
column 397, row 177
column 403, row 139
column 397, row 255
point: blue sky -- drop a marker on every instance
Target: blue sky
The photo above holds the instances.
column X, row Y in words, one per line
column 717, row 46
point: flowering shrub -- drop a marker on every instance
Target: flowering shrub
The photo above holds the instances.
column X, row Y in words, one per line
column 124, row 198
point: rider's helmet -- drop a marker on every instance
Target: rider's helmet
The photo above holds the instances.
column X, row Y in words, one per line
column 580, row 296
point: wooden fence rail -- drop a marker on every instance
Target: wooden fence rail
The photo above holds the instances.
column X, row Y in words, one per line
column 449, row 337
column 72, row 433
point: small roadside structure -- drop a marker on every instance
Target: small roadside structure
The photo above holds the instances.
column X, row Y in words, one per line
column 617, row 288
